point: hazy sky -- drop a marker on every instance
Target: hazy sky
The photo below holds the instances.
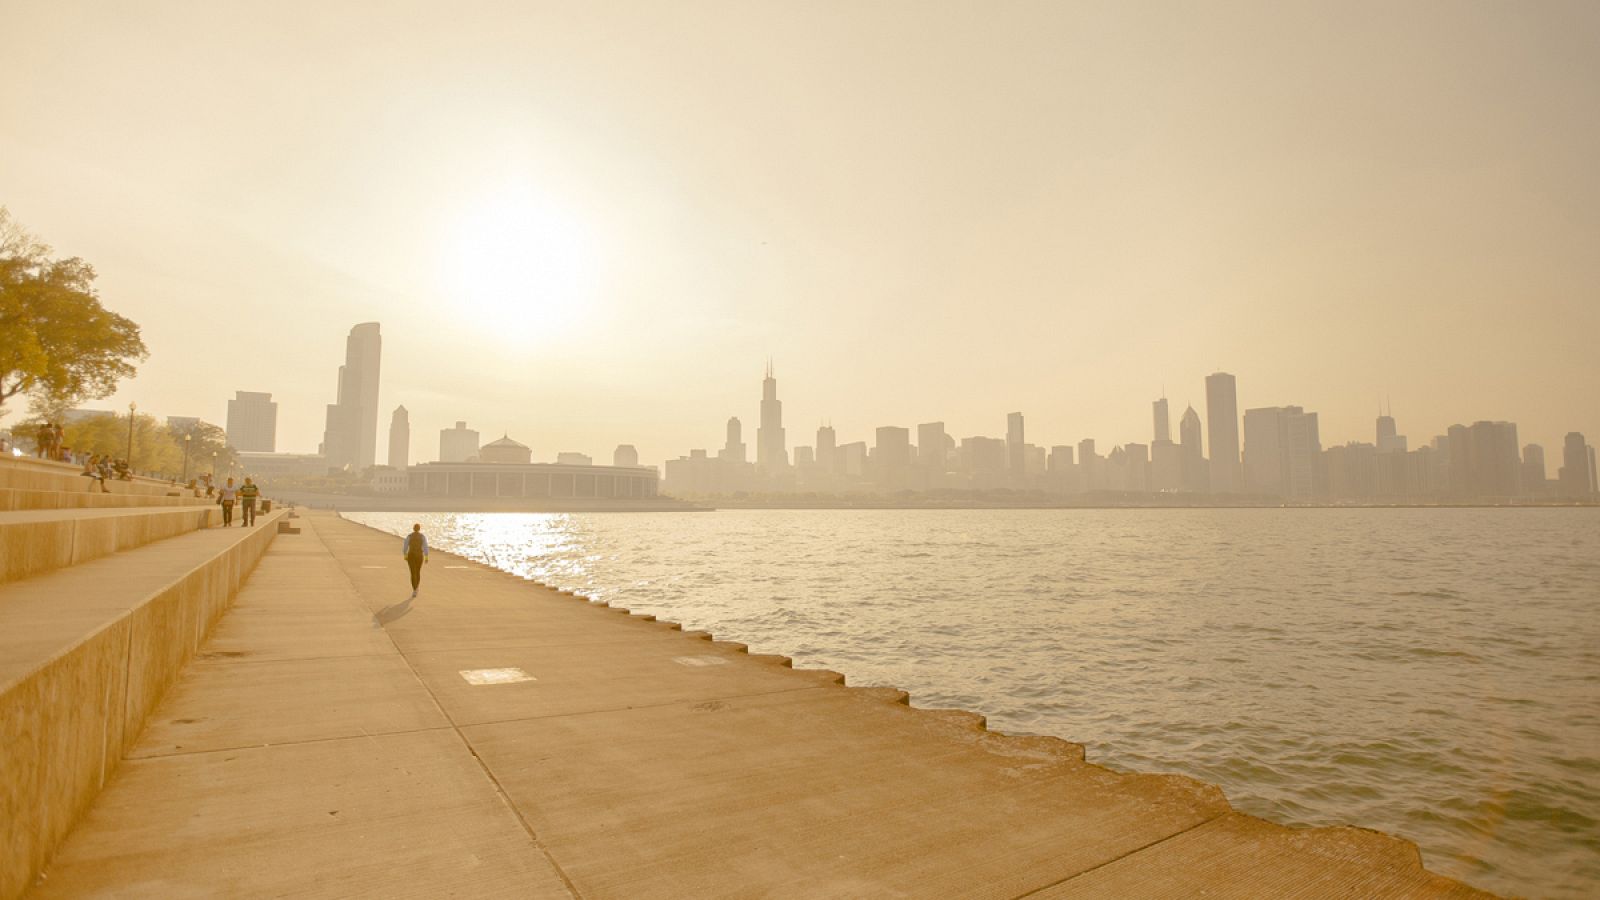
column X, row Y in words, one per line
column 588, row 224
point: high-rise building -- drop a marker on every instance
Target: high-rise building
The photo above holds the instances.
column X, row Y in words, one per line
column 734, row 450
column 625, row 456
column 891, row 456
column 1388, row 440
column 1091, row 468
column 1222, row 423
column 253, row 422
column 772, row 454
column 986, row 461
column 1136, row 467
column 400, row 438
column 350, row 439
column 457, row 444
column 827, row 455
column 1163, row 421
column 851, row 459
column 1196, row 476
column 931, row 449
column 1576, row 477
column 1166, row 466
column 1484, row 460
column 1533, row 469
column 1282, row 447
column 1015, row 455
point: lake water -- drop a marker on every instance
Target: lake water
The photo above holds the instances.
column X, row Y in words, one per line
column 1432, row 673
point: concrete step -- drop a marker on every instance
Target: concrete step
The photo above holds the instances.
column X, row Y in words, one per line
column 33, row 542
column 86, row 653
column 40, row 475
column 20, row 499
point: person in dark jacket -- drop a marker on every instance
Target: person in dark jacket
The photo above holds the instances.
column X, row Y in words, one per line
column 415, row 550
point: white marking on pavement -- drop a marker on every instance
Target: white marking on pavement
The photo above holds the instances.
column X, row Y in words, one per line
column 510, row 675
column 699, row 660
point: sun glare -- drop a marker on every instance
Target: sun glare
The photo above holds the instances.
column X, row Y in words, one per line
column 520, row 265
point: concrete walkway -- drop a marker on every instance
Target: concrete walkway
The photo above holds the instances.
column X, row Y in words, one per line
column 495, row 738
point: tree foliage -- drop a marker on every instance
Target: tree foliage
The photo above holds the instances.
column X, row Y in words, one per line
column 157, row 449
column 58, row 344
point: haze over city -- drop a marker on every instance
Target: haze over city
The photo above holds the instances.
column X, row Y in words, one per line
column 579, row 230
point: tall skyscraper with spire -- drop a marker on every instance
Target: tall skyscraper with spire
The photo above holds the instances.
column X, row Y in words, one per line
column 1163, row 421
column 350, row 438
column 1222, row 423
column 400, row 438
column 772, row 453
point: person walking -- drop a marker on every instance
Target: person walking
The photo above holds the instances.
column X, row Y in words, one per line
column 415, row 550
column 248, row 494
column 227, row 495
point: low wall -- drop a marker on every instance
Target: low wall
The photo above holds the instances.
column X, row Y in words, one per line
column 34, row 547
column 19, row 499
column 65, row 725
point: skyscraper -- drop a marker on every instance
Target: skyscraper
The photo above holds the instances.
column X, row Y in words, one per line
column 1163, row 421
column 1222, row 422
column 1388, row 440
column 827, row 457
column 457, row 444
column 350, row 438
column 400, row 438
column 252, row 422
column 1281, row 447
column 1196, row 477
column 891, row 456
column 772, row 452
column 733, row 450
column 1533, row 469
column 1575, row 477
column 930, row 449
column 1014, row 446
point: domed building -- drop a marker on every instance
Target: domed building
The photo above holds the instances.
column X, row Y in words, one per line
column 505, row 451
column 502, row 472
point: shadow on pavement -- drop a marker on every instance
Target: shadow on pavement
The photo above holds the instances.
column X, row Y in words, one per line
column 391, row 612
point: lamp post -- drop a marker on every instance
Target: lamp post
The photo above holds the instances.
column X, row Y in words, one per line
column 131, row 408
column 213, row 464
column 186, row 439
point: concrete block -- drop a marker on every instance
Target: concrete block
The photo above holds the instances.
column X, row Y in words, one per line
column 28, row 548
column 60, row 738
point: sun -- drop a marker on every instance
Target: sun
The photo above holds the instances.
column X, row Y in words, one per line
column 520, row 265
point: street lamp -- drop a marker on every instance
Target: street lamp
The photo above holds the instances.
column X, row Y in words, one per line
column 213, row 464
column 186, row 439
column 131, row 408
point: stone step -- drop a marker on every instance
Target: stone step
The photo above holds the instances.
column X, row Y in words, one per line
column 21, row 499
column 40, row 475
column 33, row 542
column 86, row 653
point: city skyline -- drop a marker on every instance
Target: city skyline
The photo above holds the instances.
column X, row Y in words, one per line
column 1133, row 216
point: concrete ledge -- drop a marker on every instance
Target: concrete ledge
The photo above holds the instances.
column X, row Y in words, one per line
column 38, row 475
column 33, row 542
column 67, row 718
column 23, row 499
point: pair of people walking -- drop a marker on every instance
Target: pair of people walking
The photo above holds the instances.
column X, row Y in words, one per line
column 246, row 495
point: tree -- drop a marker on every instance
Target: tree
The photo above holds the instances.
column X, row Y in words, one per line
column 57, row 343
